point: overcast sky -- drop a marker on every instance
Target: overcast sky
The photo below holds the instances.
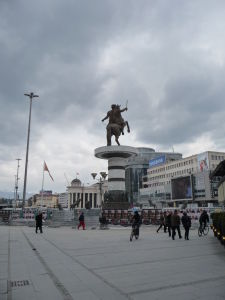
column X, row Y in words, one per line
column 165, row 57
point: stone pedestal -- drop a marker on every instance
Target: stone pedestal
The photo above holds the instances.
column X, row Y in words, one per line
column 116, row 197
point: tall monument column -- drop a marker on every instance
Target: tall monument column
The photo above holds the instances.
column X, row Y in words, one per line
column 116, row 156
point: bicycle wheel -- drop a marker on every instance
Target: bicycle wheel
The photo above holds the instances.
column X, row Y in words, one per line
column 206, row 230
column 199, row 231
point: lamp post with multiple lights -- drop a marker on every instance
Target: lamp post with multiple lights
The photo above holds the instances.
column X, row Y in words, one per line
column 100, row 180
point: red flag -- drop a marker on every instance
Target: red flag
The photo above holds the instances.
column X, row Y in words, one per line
column 46, row 169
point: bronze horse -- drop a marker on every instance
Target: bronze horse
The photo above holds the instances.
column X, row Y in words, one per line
column 116, row 123
column 116, row 130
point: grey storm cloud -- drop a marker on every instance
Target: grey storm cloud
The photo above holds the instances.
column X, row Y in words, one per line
column 165, row 57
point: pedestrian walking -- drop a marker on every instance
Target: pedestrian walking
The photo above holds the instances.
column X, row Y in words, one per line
column 168, row 222
column 162, row 222
column 38, row 220
column 175, row 224
column 81, row 221
column 103, row 221
column 186, row 221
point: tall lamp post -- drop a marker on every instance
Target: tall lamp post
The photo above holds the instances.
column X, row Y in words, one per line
column 16, row 181
column 31, row 96
column 100, row 180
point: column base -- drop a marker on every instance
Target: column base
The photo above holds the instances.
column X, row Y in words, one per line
column 115, row 200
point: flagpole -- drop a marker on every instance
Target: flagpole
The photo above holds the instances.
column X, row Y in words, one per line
column 42, row 185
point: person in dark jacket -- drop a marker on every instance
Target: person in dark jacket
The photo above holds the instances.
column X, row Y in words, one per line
column 186, row 221
column 38, row 220
column 162, row 222
column 136, row 221
column 175, row 224
column 204, row 219
column 81, row 221
column 103, row 221
column 168, row 222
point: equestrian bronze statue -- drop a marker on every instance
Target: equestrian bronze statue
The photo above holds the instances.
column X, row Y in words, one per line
column 116, row 123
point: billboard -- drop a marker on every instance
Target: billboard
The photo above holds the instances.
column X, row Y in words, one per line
column 203, row 162
column 181, row 188
column 157, row 161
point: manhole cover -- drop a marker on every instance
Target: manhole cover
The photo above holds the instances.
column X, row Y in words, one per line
column 18, row 283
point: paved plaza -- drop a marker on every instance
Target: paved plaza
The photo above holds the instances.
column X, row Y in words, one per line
column 64, row 263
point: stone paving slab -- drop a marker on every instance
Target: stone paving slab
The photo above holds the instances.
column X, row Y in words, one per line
column 64, row 263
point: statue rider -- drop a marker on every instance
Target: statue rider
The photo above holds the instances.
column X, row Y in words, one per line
column 120, row 120
column 111, row 114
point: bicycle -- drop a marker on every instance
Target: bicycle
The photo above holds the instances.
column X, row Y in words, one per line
column 134, row 232
column 203, row 230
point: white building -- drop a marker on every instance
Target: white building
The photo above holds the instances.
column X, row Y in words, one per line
column 86, row 196
column 166, row 180
column 63, row 200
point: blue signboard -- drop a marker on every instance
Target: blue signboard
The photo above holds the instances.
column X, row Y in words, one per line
column 157, row 161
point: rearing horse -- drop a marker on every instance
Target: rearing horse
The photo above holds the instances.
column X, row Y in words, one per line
column 116, row 130
column 116, row 123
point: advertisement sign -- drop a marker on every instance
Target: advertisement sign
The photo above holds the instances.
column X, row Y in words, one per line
column 203, row 162
column 157, row 161
column 181, row 188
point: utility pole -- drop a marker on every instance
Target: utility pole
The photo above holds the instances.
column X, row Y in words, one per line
column 31, row 96
column 17, row 179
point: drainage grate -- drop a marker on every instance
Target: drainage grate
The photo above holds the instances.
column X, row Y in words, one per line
column 17, row 283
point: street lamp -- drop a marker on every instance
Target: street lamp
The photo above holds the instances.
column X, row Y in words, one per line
column 100, row 180
column 31, row 96
column 16, row 180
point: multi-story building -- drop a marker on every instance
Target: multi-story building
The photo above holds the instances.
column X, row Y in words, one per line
column 48, row 199
column 136, row 168
column 82, row 196
column 219, row 173
column 63, row 200
column 183, row 180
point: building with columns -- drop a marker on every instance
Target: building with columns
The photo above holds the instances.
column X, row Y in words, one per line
column 82, row 196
